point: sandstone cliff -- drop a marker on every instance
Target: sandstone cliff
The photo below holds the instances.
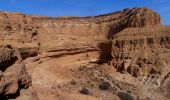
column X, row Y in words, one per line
column 128, row 49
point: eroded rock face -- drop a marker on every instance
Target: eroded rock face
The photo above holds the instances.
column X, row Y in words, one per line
column 164, row 88
column 128, row 49
column 142, row 51
column 59, row 36
column 16, row 28
column 13, row 73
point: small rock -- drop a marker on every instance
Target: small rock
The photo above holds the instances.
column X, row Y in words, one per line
column 85, row 91
column 105, row 86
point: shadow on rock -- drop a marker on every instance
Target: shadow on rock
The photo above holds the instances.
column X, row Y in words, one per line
column 125, row 96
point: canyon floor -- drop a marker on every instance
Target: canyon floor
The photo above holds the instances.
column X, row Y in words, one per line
column 123, row 55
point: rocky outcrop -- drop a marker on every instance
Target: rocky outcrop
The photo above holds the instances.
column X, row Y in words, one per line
column 64, row 33
column 16, row 28
column 54, row 51
column 141, row 51
column 90, row 30
column 13, row 75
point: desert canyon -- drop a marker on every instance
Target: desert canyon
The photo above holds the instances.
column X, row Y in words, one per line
column 124, row 55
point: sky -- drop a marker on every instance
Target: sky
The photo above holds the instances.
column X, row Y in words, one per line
column 56, row 8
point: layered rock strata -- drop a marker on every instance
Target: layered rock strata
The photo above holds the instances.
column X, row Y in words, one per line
column 68, row 53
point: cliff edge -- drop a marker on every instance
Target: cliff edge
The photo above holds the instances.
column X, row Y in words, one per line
column 120, row 55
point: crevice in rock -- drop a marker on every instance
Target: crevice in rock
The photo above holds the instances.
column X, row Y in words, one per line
column 114, row 30
column 105, row 51
column 28, row 52
column 71, row 53
column 4, row 65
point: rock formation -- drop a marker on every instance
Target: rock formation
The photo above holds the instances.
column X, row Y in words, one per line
column 13, row 75
column 70, row 58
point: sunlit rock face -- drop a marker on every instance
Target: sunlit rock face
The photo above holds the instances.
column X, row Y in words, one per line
column 71, row 58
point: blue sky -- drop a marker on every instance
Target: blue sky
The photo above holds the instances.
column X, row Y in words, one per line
column 56, row 8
